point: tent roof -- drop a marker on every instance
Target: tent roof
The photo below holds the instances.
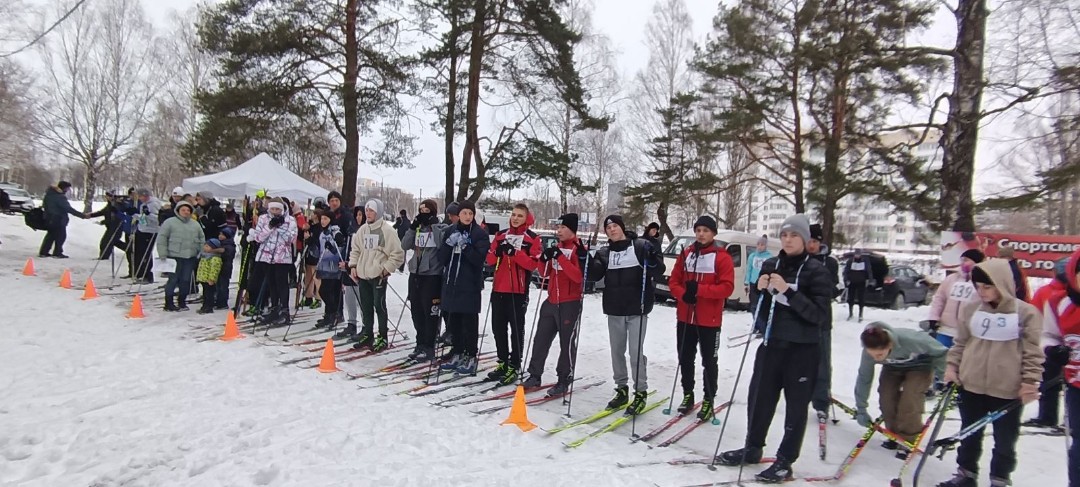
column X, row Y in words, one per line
column 259, row 172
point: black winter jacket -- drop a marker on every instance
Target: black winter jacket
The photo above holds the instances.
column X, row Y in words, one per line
column 622, row 283
column 808, row 310
column 213, row 219
column 463, row 273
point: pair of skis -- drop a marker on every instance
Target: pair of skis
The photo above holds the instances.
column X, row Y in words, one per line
column 683, row 432
column 615, row 424
column 530, row 402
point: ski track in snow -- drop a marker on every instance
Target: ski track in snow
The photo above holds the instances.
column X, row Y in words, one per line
column 88, row 398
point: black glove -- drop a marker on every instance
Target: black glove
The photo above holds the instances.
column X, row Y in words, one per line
column 550, row 253
column 690, row 296
column 277, row 221
column 1057, row 356
column 582, row 252
column 505, row 248
column 146, row 210
column 329, row 246
column 419, row 220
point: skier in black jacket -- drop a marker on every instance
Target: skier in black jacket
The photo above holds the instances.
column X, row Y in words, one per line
column 795, row 310
column 817, row 249
column 629, row 267
column 213, row 217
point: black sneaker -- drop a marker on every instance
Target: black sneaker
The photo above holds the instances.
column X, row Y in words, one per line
column 426, row 355
column 170, row 307
column 183, row 307
column 415, row 353
column 532, row 382
column 706, row 412
column 221, row 307
column 742, row 456
column 560, row 389
column 59, row 256
column 890, row 444
column 638, row 404
column 324, row 322
column 622, row 396
column 779, row 471
column 348, row 332
column 962, row 478
column 204, row 310
column 1037, row 423
column 687, row 403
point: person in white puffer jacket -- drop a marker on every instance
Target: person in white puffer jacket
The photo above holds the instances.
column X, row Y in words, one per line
column 275, row 233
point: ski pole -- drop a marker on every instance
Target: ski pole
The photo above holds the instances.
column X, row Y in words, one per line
column 577, row 334
column 397, row 325
column 937, row 411
column 641, row 337
column 738, row 377
column 532, row 331
column 945, row 444
column 940, row 410
column 112, row 237
column 756, row 392
column 682, row 340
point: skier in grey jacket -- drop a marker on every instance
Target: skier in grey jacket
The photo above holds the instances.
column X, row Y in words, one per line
column 425, row 277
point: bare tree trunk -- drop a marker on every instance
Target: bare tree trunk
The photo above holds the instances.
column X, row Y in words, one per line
column 961, row 130
column 662, row 219
column 472, row 102
column 89, row 184
column 448, row 126
column 350, row 99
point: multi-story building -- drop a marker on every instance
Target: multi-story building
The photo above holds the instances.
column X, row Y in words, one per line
column 863, row 222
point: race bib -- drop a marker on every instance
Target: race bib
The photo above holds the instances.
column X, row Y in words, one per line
column 756, row 263
column 996, row 327
column 701, row 264
column 425, row 240
column 566, row 253
column 963, row 292
column 858, row 266
column 515, row 240
column 623, row 260
column 371, row 242
column 782, row 298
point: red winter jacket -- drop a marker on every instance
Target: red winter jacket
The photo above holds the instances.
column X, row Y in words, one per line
column 565, row 285
column 716, row 282
column 1046, row 293
column 512, row 271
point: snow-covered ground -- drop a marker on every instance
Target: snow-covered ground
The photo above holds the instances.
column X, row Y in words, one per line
column 88, row 397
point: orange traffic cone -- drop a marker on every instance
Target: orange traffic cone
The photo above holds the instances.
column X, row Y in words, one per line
column 136, row 308
column 518, row 415
column 232, row 332
column 328, row 365
column 65, row 279
column 89, row 292
column 28, row 269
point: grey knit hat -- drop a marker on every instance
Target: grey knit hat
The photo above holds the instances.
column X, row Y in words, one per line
column 799, row 224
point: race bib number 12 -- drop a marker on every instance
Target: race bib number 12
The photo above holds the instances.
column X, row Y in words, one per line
column 996, row 327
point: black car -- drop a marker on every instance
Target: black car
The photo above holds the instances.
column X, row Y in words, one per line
column 901, row 286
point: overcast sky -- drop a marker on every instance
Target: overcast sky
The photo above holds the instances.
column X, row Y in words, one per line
column 622, row 21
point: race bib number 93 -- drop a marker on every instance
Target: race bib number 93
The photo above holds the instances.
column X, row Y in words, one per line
column 996, row 327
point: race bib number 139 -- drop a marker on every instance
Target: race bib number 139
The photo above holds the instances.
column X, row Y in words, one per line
column 996, row 327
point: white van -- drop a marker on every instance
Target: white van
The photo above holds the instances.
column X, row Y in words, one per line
column 739, row 245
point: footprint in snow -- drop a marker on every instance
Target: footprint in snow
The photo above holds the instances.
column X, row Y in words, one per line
column 266, row 475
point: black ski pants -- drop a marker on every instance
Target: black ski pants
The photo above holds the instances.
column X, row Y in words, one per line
column 856, row 294
column 689, row 339
column 425, row 294
column 508, row 313
column 330, row 292
column 142, row 263
column 465, row 328
column 790, row 368
column 556, row 320
column 277, row 285
column 372, row 304
column 1006, row 433
column 221, row 287
column 55, row 236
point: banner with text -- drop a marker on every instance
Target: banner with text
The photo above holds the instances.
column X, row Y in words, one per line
column 1036, row 254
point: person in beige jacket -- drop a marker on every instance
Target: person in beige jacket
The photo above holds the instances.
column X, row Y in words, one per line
column 374, row 255
column 995, row 359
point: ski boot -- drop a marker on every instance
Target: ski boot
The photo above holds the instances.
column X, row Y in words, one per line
column 622, row 396
column 962, row 478
column 510, row 375
column 467, row 366
column 706, row 412
column 365, row 340
column 426, row 355
column 532, row 382
column 638, row 404
column 560, row 389
column 316, row 304
column 169, row 306
column 415, row 353
column 500, row 370
column 742, row 456
column 453, row 363
column 324, row 321
column 890, row 445
column 379, row 345
column 348, row 332
column 204, row 310
column 687, row 403
column 779, row 471
column 182, row 306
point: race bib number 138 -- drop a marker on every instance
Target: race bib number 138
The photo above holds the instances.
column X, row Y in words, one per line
column 996, row 327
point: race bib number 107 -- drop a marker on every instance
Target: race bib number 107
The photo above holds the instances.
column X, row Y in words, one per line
column 996, row 327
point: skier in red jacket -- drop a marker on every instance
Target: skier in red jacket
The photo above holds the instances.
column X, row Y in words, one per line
column 514, row 253
column 701, row 281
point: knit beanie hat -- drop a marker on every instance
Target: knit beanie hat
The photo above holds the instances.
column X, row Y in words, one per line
column 467, row 205
column 616, row 219
column 816, row 233
column 453, row 208
column 431, row 205
column 214, row 243
column 570, row 221
column 975, row 255
column 707, row 222
column 799, row 224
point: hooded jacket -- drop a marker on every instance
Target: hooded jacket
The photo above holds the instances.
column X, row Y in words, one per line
column 376, row 249
column 512, row 272
column 955, row 290
column 566, row 273
column 275, row 244
column 1061, row 322
column 753, row 270
column 714, row 270
column 424, row 262
column 212, row 219
column 464, row 269
column 625, row 266
column 180, row 237
column 805, row 309
column 997, row 349
column 911, row 350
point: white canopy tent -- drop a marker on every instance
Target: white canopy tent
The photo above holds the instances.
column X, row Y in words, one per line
column 258, row 173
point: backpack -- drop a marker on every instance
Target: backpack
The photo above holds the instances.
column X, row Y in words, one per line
column 35, row 218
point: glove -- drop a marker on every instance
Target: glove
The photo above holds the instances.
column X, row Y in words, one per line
column 952, row 376
column 457, row 240
column 334, row 229
column 277, row 221
column 505, row 249
column 418, row 220
column 550, row 253
column 329, row 246
column 146, row 210
column 1029, row 393
column 863, row 418
column 690, row 296
column 582, row 252
column 1057, row 356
